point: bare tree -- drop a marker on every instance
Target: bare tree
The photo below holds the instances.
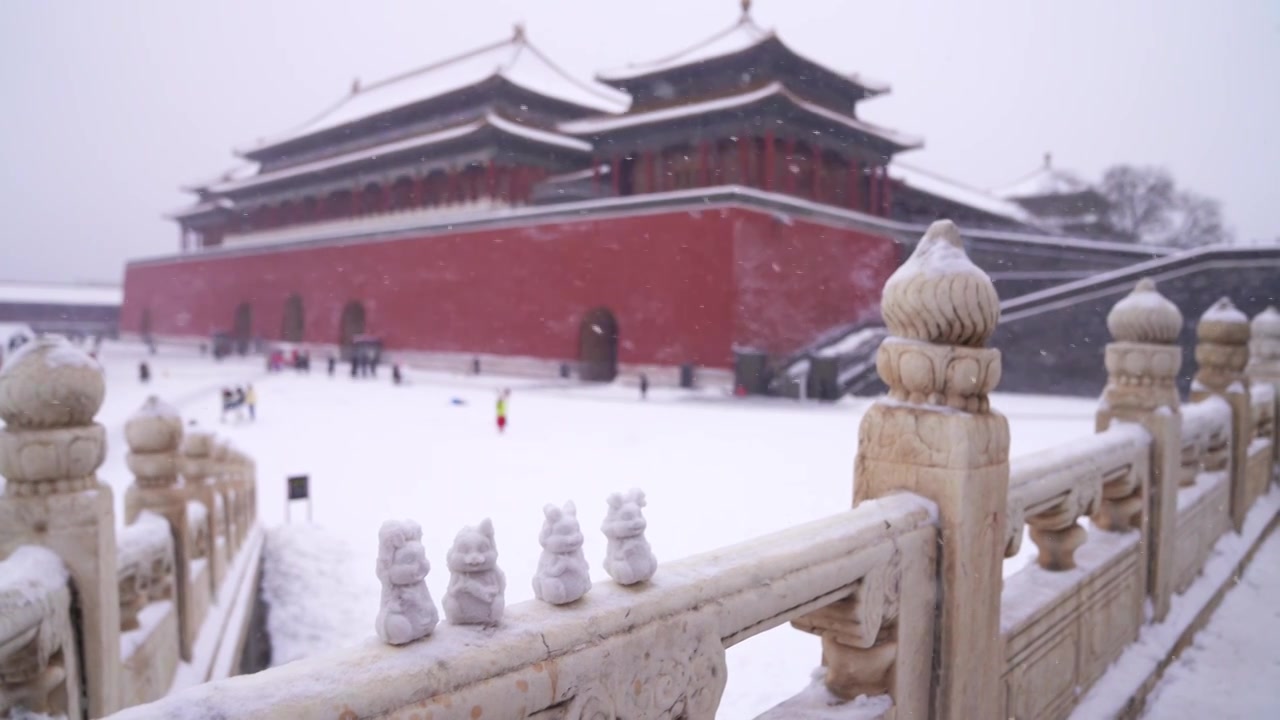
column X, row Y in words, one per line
column 1146, row 206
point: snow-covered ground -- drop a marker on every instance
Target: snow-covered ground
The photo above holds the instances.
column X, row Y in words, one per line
column 717, row 470
column 1231, row 671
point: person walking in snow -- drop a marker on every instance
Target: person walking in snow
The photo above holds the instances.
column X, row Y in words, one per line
column 333, row 365
column 144, row 372
column 502, row 409
column 644, row 386
column 251, row 401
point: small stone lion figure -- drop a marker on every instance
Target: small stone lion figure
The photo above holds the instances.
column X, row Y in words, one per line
column 476, row 584
column 407, row 612
column 628, row 558
column 563, row 574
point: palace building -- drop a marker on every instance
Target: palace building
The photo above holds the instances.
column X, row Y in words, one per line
column 725, row 196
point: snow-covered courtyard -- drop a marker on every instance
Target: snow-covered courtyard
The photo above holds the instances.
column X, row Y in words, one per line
column 717, row 470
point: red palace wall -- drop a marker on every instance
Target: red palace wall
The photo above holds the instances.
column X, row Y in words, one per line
column 684, row 286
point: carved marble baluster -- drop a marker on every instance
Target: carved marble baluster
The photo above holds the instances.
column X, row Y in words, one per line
column 859, row 634
column 1222, row 352
column 1264, row 363
column 936, row 435
column 1057, row 532
column 1143, row 360
column 50, row 451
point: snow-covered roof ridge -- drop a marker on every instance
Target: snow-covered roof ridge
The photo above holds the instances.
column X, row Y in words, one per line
column 1044, row 180
column 514, row 59
column 491, row 120
column 932, row 183
column 61, row 294
column 603, row 123
column 739, row 37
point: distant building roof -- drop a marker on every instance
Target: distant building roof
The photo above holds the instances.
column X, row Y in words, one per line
column 1043, row 181
column 53, row 294
column 934, row 184
column 514, row 59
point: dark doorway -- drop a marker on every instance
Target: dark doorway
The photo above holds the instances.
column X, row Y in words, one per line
column 598, row 346
column 242, row 329
column 144, row 327
column 352, row 325
column 291, row 327
column 626, row 171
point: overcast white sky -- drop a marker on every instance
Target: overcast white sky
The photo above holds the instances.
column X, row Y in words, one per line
column 109, row 106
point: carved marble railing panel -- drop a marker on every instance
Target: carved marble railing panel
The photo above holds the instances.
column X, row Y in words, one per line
column 149, row 641
column 1206, row 438
column 1204, row 514
column 39, row 668
column 1101, row 476
column 652, row 650
column 1063, row 629
column 1260, row 454
column 144, row 564
column 199, row 580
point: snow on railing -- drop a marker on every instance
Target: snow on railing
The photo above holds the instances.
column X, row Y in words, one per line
column 622, row 651
column 1262, row 397
column 1099, row 475
column 38, row 672
column 1206, row 438
column 144, row 566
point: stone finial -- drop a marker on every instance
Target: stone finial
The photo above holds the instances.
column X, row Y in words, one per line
column 940, row 309
column 939, row 296
column 1266, row 324
column 1223, row 324
column 156, row 427
column 1221, row 347
column 408, row 612
column 1145, row 316
column 628, row 558
column 563, row 575
column 50, row 383
column 476, row 584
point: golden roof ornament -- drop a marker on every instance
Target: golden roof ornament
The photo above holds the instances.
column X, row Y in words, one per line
column 939, row 296
column 1145, row 316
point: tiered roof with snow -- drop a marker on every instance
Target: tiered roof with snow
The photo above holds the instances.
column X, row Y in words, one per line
column 743, row 76
column 511, row 67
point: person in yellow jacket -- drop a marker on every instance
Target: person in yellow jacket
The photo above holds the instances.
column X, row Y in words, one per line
column 251, row 401
column 502, row 409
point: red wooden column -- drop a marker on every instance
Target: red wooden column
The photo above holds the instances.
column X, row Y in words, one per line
column 386, row 200
column 789, row 178
column 490, row 179
column 704, row 170
column 888, row 193
column 745, row 145
column 615, row 175
column 769, row 160
column 874, row 205
column 856, row 199
column 419, row 191
column 819, row 157
column 651, row 177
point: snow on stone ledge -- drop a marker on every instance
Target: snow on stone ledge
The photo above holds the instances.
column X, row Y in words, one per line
column 816, row 702
column 143, row 538
column 197, row 513
column 32, row 572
